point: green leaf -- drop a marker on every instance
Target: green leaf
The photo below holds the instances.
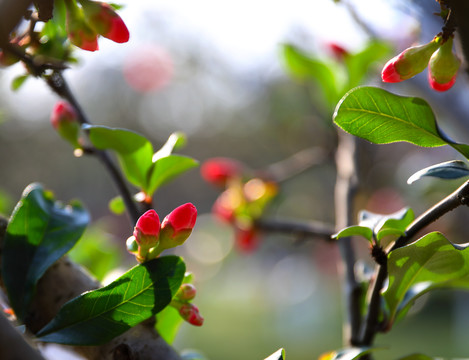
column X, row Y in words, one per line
column 428, row 263
column 18, row 81
column 116, row 205
column 165, row 169
column 454, row 169
column 347, row 354
column 175, row 141
column 168, row 323
column 395, row 223
column 305, row 67
column 416, row 357
column 355, row 230
column 359, row 64
column 40, row 231
column 278, row 355
column 98, row 316
column 381, row 117
column 133, row 150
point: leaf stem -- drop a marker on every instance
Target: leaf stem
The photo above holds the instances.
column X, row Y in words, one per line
column 459, row 197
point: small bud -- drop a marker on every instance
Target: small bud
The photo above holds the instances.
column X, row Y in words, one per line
column 247, row 240
column 105, row 21
column 131, row 244
column 79, row 32
column 64, row 120
column 147, row 229
column 218, row 171
column 186, row 292
column 443, row 67
column 337, row 51
column 410, row 62
column 190, row 313
column 177, row 226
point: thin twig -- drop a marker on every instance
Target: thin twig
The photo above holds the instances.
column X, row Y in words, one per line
column 313, row 230
column 344, row 193
column 451, row 202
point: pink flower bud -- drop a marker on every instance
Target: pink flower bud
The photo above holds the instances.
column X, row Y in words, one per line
column 186, row 292
column 443, row 67
column 64, row 120
column 79, row 32
column 218, row 171
column 147, row 229
column 190, row 313
column 177, row 226
column 337, row 51
column 409, row 63
column 247, row 240
column 105, row 21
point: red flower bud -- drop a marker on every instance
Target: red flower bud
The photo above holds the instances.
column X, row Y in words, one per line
column 409, row 63
column 177, row 226
column 247, row 240
column 219, row 170
column 443, row 67
column 147, row 229
column 79, row 32
column 190, row 313
column 105, row 21
column 186, row 292
column 338, row 51
column 64, row 120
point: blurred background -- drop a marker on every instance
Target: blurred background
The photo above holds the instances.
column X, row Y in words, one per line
column 214, row 71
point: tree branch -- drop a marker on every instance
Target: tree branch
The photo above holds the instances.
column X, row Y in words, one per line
column 344, row 193
column 297, row 229
column 62, row 282
column 451, row 202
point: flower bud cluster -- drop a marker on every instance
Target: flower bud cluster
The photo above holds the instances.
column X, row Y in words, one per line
column 182, row 302
column 437, row 55
column 242, row 201
column 150, row 237
column 94, row 18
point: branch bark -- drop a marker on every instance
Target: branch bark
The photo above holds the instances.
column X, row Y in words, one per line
column 62, row 282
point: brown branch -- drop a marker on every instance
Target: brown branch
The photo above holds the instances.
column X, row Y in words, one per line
column 300, row 230
column 65, row 280
column 344, row 192
column 451, row 202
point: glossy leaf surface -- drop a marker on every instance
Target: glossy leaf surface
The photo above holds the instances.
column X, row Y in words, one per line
column 454, row 169
column 40, row 231
column 381, row 117
column 175, row 141
column 98, row 316
column 133, row 150
column 428, row 263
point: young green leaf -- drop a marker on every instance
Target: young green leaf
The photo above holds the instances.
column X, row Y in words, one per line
column 428, row 263
column 167, row 168
column 347, row 354
column 168, row 322
column 454, row 169
column 355, row 230
column 98, row 316
column 395, row 223
column 116, row 205
column 40, row 231
column 305, row 67
column 18, row 81
column 133, row 150
column 381, row 117
column 175, row 141
column 278, row 355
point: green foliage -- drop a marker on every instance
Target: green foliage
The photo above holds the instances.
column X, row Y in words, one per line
column 97, row 252
column 428, row 263
column 416, row 357
column 376, row 226
column 18, row 81
column 381, row 117
column 168, row 322
column 141, row 167
column 278, row 355
column 347, row 354
column 454, row 169
column 98, row 316
column 40, row 231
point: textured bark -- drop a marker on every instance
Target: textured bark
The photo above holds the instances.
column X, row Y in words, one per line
column 62, row 282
